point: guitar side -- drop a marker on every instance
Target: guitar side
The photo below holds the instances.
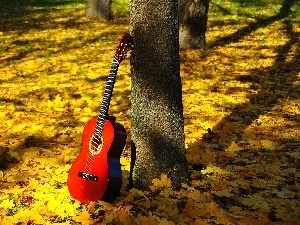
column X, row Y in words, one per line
column 114, row 166
column 93, row 186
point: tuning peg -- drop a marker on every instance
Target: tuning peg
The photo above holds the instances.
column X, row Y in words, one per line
column 130, row 46
column 128, row 53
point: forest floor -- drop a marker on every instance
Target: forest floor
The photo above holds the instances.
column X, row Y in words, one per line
column 241, row 97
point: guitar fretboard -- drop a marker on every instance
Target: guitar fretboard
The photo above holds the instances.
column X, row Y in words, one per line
column 105, row 102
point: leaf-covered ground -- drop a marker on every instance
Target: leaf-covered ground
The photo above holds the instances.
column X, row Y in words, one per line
column 241, row 107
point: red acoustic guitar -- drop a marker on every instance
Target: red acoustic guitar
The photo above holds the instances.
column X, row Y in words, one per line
column 96, row 172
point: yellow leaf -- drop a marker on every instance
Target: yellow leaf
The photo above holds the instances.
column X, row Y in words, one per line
column 196, row 195
column 2, row 115
column 268, row 144
column 193, row 157
column 150, row 219
column 233, row 147
column 285, row 193
column 83, row 217
column 200, row 222
column 79, row 103
column 57, row 99
column 14, row 154
column 116, row 108
column 62, row 138
column 209, row 208
column 144, row 220
column 7, row 204
column 164, row 221
column 189, row 210
column 214, row 169
column 208, row 156
column 261, row 183
column 124, row 215
column 228, row 128
column 193, row 147
column 125, row 163
column 256, row 202
column 84, row 119
column 163, row 182
column 170, row 210
column 223, row 193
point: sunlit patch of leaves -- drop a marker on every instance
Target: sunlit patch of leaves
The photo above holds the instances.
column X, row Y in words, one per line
column 241, row 109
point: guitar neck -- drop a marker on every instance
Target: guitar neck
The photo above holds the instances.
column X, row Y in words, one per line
column 106, row 98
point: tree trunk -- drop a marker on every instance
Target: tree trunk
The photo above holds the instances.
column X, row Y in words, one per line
column 157, row 110
column 193, row 23
column 97, row 9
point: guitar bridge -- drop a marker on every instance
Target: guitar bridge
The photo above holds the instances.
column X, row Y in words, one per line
column 87, row 176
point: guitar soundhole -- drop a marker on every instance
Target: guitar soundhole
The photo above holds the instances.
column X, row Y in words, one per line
column 87, row 176
column 95, row 145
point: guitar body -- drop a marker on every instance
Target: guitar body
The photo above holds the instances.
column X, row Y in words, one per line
column 104, row 177
column 96, row 172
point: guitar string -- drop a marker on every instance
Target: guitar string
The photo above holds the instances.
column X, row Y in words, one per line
column 89, row 164
column 106, row 99
column 102, row 116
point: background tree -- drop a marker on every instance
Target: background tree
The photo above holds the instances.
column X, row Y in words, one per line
column 157, row 110
column 193, row 23
column 97, row 9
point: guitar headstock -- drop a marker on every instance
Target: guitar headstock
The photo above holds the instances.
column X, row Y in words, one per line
column 124, row 46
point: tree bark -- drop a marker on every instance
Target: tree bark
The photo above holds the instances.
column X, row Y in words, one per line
column 97, row 9
column 157, row 110
column 193, row 16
